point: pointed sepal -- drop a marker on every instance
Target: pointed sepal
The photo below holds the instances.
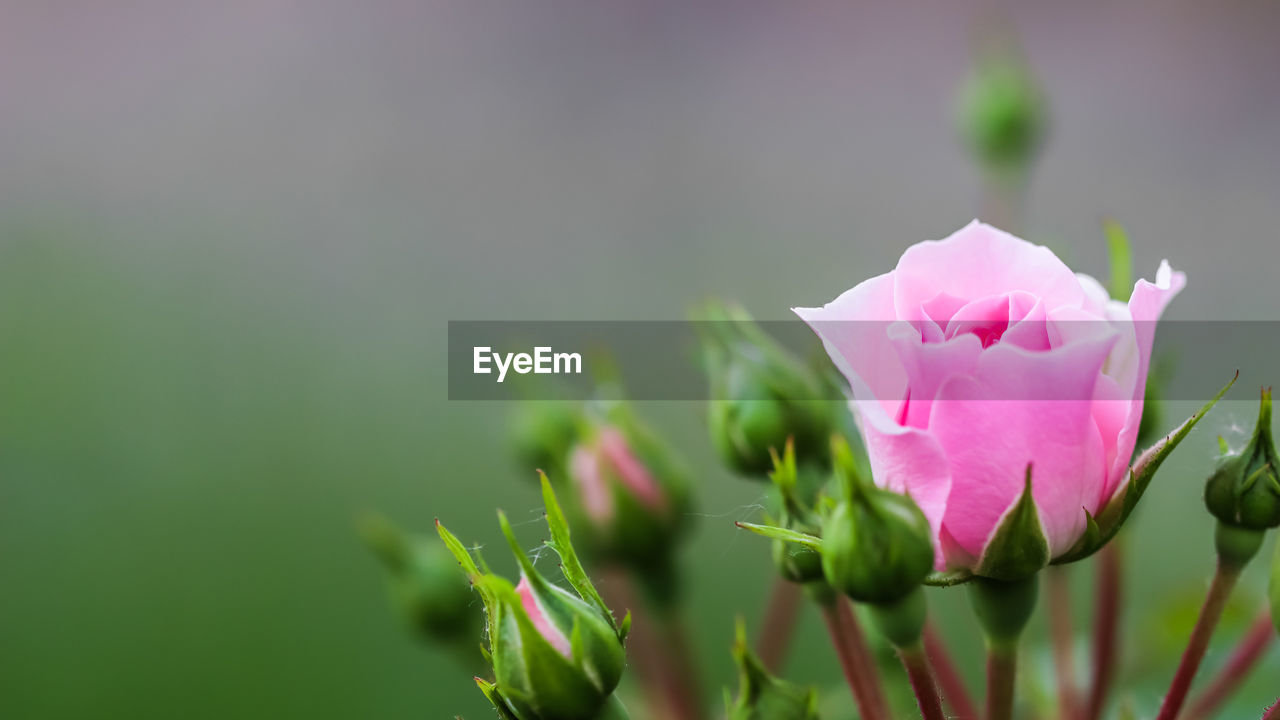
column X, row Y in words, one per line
column 1018, row 547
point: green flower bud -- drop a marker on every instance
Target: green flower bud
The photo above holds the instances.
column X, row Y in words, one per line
column 631, row 496
column 555, row 655
column 1245, row 489
column 542, row 434
column 794, row 562
column 1003, row 116
column 762, row 395
column 876, row 544
column 423, row 583
column 762, row 696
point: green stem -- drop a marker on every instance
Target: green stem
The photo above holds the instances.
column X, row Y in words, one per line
column 916, row 664
column 1003, row 609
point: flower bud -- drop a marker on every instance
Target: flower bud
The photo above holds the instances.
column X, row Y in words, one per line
column 795, row 562
column 1245, row 489
column 1003, row 117
column 423, row 584
column 876, row 544
column 542, row 434
column 762, row 696
column 761, row 395
column 555, row 655
column 631, row 496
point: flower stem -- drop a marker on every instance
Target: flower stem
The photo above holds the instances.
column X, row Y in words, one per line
column 1002, row 670
column 1003, row 609
column 954, row 692
column 779, row 623
column 1224, row 580
column 1105, row 620
column 855, row 659
column 1273, row 712
column 916, row 664
column 1243, row 659
column 1063, row 640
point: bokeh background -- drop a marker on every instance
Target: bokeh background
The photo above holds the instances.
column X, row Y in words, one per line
column 231, row 236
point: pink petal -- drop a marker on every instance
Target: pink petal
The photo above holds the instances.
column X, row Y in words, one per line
column 977, row 261
column 541, row 622
column 854, row 329
column 1146, row 305
column 1017, row 408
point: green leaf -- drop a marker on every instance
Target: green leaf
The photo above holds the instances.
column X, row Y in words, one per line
column 1018, row 549
column 569, row 562
column 777, row 533
column 1121, row 286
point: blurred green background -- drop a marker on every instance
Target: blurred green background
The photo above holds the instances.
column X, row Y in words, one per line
column 231, row 237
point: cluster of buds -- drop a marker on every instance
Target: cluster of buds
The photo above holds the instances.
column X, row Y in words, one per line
column 870, row 544
column 762, row 395
column 555, row 655
column 1244, row 491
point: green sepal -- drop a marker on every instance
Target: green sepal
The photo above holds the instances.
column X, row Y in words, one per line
column 1018, row 548
column 761, row 696
column 777, row 533
column 495, row 698
column 1114, row 514
column 948, row 579
column 569, row 563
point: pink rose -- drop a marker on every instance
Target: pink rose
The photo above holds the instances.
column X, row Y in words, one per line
column 980, row 354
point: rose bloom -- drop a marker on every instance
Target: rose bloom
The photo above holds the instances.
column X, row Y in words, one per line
column 983, row 353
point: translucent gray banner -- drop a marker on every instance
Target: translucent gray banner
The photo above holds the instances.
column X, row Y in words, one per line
column 662, row 360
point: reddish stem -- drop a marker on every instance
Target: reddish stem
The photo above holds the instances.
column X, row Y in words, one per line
column 1224, row 579
column 954, row 692
column 1243, row 659
column 855, row 659
column 1273, row 712
column 779, row 623
column 916, row 664
column 1002, row 670
column 1105, row 620
column 1063, row 641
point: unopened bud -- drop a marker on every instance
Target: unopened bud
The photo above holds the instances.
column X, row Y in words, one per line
column 423, row 583
column 876, row 544
column 1245, row 489
column 761, row 395
column 555, row 655
column 630, row 495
